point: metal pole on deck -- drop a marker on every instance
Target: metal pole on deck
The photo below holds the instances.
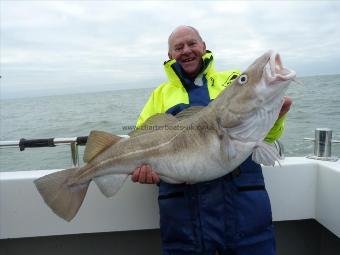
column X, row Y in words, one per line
column 49, row 142
column 74, row 142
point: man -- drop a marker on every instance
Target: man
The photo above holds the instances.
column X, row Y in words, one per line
column 229, row 215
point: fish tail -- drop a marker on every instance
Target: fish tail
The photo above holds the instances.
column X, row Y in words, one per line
column 64, row 199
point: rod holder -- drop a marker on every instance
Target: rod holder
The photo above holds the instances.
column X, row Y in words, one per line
column 74, row 143
column 323, row 145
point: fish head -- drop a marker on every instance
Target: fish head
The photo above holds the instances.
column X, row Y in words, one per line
column 251, row 105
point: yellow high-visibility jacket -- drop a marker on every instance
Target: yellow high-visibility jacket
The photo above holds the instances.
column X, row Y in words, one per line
column 179, row 92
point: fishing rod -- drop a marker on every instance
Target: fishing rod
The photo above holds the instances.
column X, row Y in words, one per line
column 74, row 142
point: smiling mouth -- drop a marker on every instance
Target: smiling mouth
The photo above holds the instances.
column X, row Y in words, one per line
column 188, row 60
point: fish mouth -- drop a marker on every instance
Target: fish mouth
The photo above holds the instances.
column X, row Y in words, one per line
column 277, row 79
column 277, row 72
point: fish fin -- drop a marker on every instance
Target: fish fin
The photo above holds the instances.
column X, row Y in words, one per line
column 189, row 112
column 110, row 184
column 155, row 122
column 97, row 142
column 63, row 198
column 265, row 154
column 228, row 150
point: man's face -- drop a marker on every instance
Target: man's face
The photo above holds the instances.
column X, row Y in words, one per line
column 187, row 48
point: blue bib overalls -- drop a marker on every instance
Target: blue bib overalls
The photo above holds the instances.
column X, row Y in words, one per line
column 231, row 215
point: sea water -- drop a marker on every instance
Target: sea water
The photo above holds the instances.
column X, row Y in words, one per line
column 316, row 104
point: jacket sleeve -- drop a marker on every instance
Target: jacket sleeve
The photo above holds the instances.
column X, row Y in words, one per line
column 276, row 131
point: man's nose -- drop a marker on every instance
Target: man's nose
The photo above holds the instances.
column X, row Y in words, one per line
column 186, row 49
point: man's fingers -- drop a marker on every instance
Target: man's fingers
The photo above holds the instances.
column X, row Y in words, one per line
column 286, row 106
column 149, row 179
column 142, row 174
column 145, row 174
column 135, row 175
column 149, row 175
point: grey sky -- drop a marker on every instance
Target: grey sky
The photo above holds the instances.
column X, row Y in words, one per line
column 59, row 47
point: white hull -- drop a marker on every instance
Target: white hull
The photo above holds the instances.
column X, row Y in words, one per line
column 300, row 189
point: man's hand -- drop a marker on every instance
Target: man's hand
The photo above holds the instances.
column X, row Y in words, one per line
column 145, row 174
column 286, row 106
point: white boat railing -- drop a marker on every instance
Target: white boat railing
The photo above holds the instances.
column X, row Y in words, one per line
column 299, row 188
column 322, row 145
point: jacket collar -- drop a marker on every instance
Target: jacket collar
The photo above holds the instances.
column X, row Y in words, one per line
column 174, row 74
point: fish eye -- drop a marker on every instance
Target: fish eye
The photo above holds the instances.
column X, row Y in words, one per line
column 243, row 79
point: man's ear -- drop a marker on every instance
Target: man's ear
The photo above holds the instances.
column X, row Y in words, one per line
column 169, row 55
column 204, row 47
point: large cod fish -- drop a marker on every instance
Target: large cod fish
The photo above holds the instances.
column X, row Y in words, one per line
column 198, row 144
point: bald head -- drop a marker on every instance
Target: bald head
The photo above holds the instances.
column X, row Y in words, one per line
column 180, row 30
column 187, row 47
